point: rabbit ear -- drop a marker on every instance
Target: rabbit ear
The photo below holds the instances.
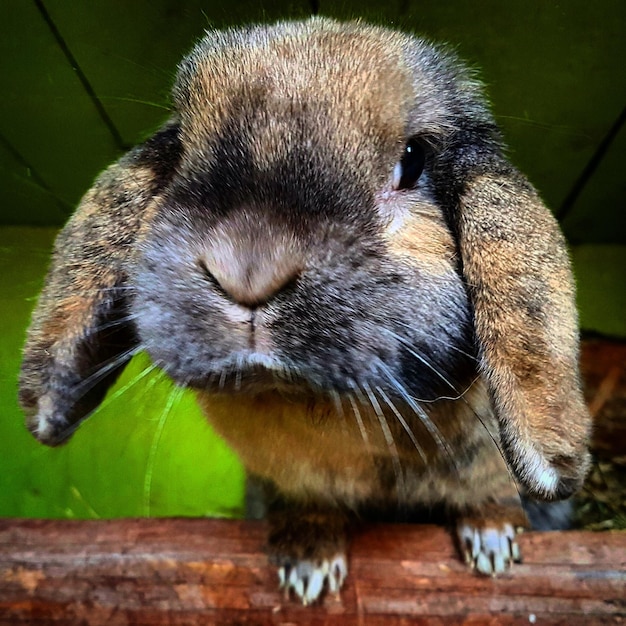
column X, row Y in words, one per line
column 80, row 335
column 515, row 262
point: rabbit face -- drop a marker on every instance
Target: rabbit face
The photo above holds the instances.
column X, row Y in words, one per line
column 289, row 248
column 284, row 244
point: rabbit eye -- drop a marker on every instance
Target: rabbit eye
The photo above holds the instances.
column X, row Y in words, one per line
column 408, row 170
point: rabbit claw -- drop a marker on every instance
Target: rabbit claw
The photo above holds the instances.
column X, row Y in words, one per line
column 307, row 579
column 489, row 550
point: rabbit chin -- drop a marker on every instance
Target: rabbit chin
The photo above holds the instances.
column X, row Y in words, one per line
column 252, row 373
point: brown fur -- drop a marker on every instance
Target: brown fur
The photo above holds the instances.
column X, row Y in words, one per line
column 530, row 350
column 312, row 453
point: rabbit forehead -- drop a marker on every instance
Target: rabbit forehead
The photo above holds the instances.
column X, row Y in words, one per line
column 342, row 79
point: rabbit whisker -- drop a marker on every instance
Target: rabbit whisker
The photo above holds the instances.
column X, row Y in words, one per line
column 238, row 375
column 88, row 383
column 459, row 393
column 419, row 412
column 421, row 358
column 156, row 105
column 402, row 422
column 222, row 381
column 493, row 438
column 337, row 402
column 389, row 440
column 108, row 292
column 79, row 496
column 105, row 368
column 151, row 68
column 174, row 397
column 438, row 339
column 359, row 418
column 140, row 376
column 121, row 321
column 336, row 398
column 461, row 396
column 112, row 288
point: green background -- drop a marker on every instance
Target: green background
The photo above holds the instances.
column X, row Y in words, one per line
column 84, row 80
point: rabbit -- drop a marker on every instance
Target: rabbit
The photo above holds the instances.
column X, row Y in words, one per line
column 327, row 242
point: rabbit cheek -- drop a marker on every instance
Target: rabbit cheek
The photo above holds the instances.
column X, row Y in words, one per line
column 416, row 232
column 186, row 331
column 441, row 324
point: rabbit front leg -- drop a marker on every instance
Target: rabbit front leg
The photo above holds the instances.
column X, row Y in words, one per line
column 308, row 545
column 486, row 536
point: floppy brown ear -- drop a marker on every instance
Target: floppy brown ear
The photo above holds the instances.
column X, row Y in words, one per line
column 81, row 335
column 515, row 262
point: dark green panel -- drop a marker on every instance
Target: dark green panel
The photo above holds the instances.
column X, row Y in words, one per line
column 601, row 277
column 129, row 50
column 553, row 71
column 599, row 213
column 23, row 195
column 44, row 112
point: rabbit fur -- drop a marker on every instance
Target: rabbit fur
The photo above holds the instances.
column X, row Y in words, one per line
column 369, row 337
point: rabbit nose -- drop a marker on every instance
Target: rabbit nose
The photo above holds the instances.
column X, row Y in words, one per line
column 250, row 272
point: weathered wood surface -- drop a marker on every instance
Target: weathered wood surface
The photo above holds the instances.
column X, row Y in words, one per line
column 603, row 366
column 182, row 571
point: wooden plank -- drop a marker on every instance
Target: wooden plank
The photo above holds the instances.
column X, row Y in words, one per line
column 177, row 571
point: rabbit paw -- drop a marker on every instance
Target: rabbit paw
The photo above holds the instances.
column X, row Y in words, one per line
column 489, row 549
column 307, row 579
column 309, row 549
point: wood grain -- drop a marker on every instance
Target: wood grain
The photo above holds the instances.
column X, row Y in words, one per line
column 183, row 571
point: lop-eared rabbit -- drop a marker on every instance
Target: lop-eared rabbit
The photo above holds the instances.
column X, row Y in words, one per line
column 328, row 244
